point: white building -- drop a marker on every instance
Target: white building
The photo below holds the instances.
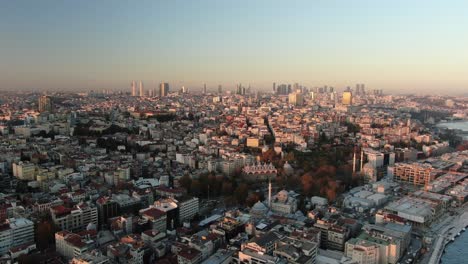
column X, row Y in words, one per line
column 76, row 218
column 15, row 232
column 71, row 245
column 188, row 208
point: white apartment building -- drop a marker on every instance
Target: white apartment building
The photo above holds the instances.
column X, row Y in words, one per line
column 71, row 245
column 188, row 208
column 76, row 218
column 15, row 232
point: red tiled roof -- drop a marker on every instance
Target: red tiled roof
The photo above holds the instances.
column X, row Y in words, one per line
column 153, row 213
column 189, row 253
column 61, row 210
column 75, row 240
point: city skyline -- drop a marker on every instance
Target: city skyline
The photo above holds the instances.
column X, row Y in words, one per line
column 400, row 47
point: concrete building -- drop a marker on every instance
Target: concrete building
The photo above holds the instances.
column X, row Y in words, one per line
column 44, row 104
column 296, row 99
column 379, row 244
column 141, row 91
column 157, row 218
column 76, row 218
column 347, row 98
column 24, row 171
column 163, row 89
column 71, row 245
column 414, row 173
column 15, row 232
column 188, row 208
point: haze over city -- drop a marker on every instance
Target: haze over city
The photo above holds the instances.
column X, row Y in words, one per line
column 233, row 132
column 398, row 46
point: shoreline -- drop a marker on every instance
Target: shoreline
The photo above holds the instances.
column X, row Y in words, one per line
column 443, row 239
column 460, row 130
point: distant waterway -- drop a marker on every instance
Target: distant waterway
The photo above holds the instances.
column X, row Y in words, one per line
column 456, row 252
column 462, row 125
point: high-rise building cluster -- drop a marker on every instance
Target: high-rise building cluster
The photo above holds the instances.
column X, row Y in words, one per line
column 163, row 90
column 297, row 175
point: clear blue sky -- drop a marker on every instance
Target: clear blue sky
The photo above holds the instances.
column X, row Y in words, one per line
column 415, row 45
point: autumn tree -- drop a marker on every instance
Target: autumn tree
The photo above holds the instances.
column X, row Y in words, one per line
column 185, row 182
column 45, row 231
column 241, row 193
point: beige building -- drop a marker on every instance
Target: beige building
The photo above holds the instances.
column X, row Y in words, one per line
column 296, row 99
column 347, row 98
column 71, row 245
column 24, row 171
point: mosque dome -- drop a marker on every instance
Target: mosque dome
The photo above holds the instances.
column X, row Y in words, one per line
column 91, row 226
column 288, row 169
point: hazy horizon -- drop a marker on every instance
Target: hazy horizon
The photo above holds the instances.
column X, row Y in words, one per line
column 397, row 46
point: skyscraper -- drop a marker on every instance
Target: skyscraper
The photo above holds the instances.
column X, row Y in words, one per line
column 204, row 88
column 274, row 87
column 296, row 98
column 134, row 93
column 220, row 89
column 142, row 92
column 347, row 98
column 358, row 89
column 45, row 104
column 163, row 89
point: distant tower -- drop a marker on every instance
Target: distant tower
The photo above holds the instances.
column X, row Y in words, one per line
column 220, row 89
column 204, row 88
column 274, row 87
column 133, row 88
column 45, row 104
column 163, row 89
column 142, row 92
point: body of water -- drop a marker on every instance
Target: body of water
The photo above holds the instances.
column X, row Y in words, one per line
column 456, row 252
column 462, row 125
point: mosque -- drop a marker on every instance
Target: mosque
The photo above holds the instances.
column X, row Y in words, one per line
column 283, row 203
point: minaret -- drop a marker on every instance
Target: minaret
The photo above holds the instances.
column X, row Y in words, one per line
column 362, row 159
column 269, row 193
column 354, row 160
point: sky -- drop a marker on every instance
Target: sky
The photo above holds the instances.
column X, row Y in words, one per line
column 399, row 46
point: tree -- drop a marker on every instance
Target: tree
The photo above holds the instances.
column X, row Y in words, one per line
column 463, row 146
column 227, row 188
column 254, row 197
column 307, row 181
column 196, row 188
column 45, row 231
column 186, row 183
column 289, row 157
column 241, row 193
